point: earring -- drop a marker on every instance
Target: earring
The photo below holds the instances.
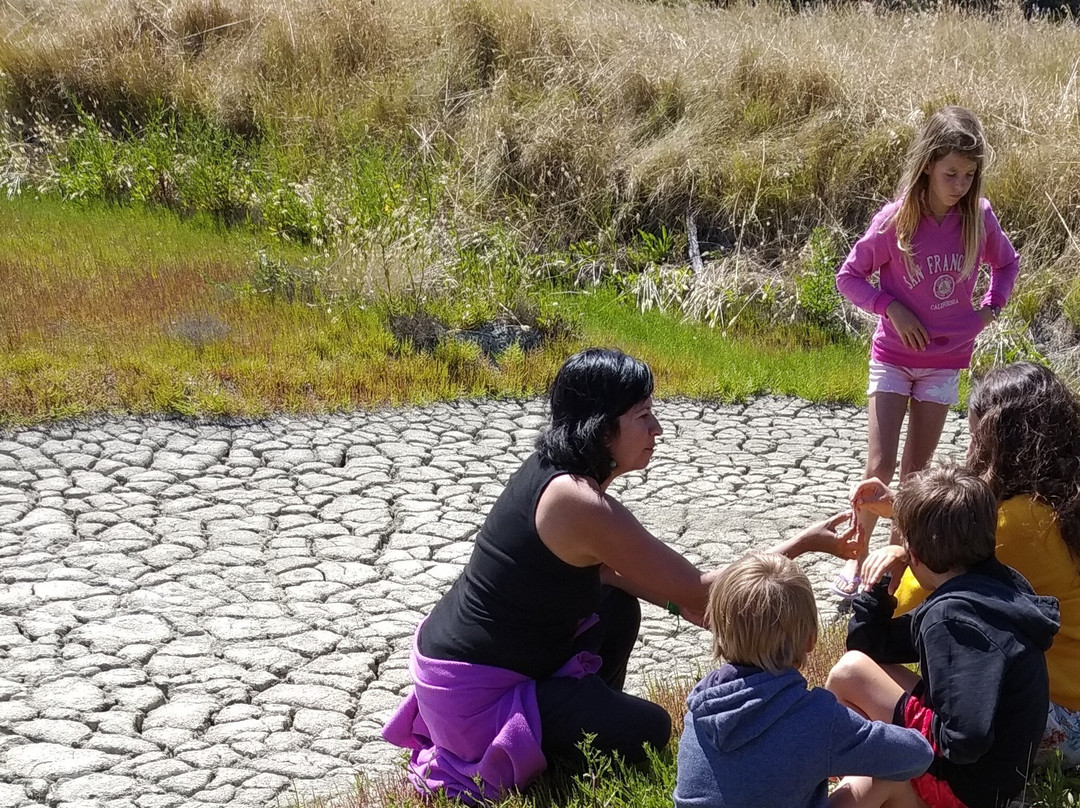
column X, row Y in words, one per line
column 613, row 464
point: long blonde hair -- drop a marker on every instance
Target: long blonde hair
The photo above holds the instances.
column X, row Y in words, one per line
column 950, row 129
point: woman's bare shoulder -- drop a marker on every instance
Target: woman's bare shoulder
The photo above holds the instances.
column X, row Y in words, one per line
column 574, row 500
column 573, row 518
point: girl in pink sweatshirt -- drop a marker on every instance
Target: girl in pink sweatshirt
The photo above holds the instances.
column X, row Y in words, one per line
column 926, row 247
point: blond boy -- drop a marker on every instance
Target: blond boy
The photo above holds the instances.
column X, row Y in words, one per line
column 755, row 735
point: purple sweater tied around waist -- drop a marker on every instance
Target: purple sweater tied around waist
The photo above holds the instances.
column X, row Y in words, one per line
column 466, row 722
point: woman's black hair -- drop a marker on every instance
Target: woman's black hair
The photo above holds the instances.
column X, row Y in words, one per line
column 1026, row 440
column 589, row 393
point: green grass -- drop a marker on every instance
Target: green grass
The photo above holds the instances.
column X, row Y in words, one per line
column 82, row 237
column 399, row 136
column 114, row 309
column 692, row 359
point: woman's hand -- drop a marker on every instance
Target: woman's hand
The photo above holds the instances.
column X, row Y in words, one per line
column 891, row 558
column 872, row 495
column 824, row 537
column 907, row 325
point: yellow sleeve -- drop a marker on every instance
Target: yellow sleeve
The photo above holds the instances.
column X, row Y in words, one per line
column 909, row 594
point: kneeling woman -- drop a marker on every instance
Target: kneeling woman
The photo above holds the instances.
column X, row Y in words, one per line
column 528, row 650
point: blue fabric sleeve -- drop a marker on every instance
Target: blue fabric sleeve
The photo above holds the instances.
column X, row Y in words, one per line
column 859, row 746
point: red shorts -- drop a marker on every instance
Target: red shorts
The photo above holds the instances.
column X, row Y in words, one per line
column 913, row 713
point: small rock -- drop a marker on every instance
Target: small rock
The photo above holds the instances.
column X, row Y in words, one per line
column 189, row 715
column 70, row 694
column 187, row 784
column 94, row 786
column 53, row 761
column 12, row 796
column 68, row 733
column 315, row 697
column 120, row 745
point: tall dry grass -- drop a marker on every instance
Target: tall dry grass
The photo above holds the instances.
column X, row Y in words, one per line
column 763, row 122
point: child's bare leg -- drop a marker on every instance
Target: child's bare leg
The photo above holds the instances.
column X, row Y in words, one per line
column 925, row 423
column 867, row 687
column 885, row 416
column 871, row 792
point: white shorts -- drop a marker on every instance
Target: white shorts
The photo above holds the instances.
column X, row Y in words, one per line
column 1062, row 734
column 934, row 385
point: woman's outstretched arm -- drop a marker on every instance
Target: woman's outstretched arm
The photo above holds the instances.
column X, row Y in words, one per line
column 582, row 526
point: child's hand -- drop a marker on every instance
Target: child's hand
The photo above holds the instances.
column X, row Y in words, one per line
column 988, row 314
column 872, row 495
column 907, row 325
column 891, row 558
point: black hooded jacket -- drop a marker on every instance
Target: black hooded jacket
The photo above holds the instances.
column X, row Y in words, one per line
column 980, row 640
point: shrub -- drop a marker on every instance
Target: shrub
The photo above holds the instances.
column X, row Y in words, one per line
column 815, row 283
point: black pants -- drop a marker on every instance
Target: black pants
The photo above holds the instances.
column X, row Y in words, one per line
column 595, row 704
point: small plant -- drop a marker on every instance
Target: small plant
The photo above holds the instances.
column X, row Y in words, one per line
column 649, row 249
column 298, row 213
column 815, row 284
column 1070, row 306
column 1054, row 786
column 90, row 167
column 417, row 328
column 1002, row 343
column 215, row 174
column 831, row 645
column 463, row 361
column 661, row 287
column 281, row 280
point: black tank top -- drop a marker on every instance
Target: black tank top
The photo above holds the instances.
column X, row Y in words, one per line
column 516, row 605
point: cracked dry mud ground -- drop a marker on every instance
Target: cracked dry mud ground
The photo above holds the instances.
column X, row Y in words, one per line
column 197, row 614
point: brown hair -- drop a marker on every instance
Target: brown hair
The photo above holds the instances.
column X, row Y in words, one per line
column 948, row 516
column 1025, row 439
column 762, row 612
column 950, row 129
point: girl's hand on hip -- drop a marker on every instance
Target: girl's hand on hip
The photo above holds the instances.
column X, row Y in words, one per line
column 907, row 325
column 988, row 314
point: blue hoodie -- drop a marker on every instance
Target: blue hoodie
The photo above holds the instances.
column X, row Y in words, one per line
column 754, row 739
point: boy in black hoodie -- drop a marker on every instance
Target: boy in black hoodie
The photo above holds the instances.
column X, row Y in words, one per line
column 979, row 639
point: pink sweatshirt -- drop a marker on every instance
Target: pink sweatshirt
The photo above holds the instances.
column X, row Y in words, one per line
column 939, row 298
